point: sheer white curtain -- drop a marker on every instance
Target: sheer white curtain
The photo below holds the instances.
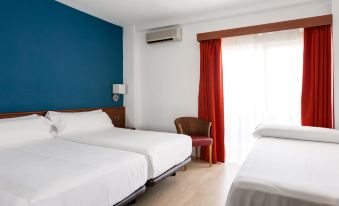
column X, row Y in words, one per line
column 262, row 84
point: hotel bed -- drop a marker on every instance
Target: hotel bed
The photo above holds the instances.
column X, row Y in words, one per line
column 165, row 152
column 37, row 169
column 289, row 166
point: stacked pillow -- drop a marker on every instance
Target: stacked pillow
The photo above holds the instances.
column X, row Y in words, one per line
column 305, row 133
column 33, row 127
column 24, row 129
column 68, row 123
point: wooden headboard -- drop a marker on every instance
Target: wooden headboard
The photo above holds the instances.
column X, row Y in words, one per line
column 117, row 114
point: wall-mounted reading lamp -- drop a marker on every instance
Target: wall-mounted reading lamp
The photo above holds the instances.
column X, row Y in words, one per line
column 118, row 89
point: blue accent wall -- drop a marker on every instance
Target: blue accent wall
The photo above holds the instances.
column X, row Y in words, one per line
column 56, row 57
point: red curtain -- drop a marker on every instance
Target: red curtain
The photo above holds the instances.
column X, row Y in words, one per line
column 316, row 99
column 211, row 97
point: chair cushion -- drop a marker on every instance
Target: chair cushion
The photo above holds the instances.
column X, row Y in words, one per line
column 201, row 140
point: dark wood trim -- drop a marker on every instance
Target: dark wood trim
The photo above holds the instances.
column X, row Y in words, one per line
column 117, row 114
column 271, row 27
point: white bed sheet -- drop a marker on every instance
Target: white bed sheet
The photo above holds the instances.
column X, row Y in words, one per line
column 288, row 172
column 163, row 150
column 56, row 172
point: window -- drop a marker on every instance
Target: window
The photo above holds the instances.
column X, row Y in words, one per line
column 262, row 84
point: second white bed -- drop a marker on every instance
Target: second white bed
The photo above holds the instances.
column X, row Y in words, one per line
column 289, row 170
column 163, row 150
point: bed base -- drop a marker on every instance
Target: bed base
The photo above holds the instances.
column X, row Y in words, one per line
column 171, row 172
column 132, row 198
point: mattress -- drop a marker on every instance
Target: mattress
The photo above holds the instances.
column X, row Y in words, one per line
column 288, row 172
column 163, row 150
column 55, row 172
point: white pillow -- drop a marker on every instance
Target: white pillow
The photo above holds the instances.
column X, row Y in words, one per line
column 19, row 118
column 51, row 113
column 24, row 130
column 317, row 134
column 66, row 124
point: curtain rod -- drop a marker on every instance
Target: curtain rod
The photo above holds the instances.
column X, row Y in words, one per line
column 271, row 27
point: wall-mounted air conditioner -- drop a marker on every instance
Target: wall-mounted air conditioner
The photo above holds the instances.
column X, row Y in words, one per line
column 166, row 34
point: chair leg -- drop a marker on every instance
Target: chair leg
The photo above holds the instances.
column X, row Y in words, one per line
column 196, row 152
column 210, row 154
column 184, row 168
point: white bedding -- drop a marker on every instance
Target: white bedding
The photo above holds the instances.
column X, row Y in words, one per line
column 288, row 172
column 55, row 172
column 163, row 150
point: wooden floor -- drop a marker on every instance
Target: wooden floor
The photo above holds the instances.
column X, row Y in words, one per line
column 199, row 185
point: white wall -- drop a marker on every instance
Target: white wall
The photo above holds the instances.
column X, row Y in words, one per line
column 169, row 80
column 166, row 81
column 130, row 60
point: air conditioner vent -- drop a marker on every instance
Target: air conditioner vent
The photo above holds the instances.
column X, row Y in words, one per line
column 164, row 35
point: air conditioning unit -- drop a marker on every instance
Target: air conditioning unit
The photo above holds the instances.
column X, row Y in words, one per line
column 165, row 34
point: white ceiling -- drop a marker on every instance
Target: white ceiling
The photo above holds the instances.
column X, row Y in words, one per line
column 138, row 12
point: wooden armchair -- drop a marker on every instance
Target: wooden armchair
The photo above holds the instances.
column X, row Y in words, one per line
column 198, row 130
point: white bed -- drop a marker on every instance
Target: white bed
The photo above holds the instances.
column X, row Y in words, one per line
column 54, row 172
column 294, row 168
column 163, row 150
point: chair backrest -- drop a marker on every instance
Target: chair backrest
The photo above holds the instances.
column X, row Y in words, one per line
column 192, row 126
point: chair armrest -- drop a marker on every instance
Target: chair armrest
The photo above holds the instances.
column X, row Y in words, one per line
column 180, row 131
